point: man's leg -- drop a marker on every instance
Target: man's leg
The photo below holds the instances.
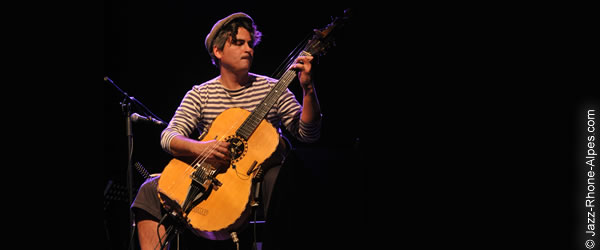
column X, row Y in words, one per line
column 147, row 210
column 148, row 235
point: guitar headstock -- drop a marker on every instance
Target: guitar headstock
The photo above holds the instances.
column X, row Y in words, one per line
column 323, row 39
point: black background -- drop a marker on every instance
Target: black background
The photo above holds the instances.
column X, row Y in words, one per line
column 444, row 125
column 155, row 52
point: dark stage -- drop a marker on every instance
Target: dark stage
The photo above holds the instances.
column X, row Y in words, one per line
column 442, row 127
column 154, row 51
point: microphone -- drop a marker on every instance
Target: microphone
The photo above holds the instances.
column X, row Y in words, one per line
column 135, row 117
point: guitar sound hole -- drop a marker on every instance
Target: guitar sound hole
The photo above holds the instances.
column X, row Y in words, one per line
column 236, row 147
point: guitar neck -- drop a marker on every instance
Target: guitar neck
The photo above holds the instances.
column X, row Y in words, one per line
column 260, row 112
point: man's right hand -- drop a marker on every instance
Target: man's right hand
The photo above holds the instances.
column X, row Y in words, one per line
column 215, row 152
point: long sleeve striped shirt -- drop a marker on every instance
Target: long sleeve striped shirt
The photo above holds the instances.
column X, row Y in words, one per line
column 204, row 102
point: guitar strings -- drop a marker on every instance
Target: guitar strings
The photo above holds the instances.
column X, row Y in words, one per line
column 291, row 58
column 203, row 156
column 284, row 65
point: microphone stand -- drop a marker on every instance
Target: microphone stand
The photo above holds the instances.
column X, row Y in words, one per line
column 135, row 102
column 126, row 108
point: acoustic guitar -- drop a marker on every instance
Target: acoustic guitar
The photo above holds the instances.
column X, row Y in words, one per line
column 215, row 202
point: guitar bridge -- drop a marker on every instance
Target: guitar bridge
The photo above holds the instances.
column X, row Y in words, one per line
column 204, row 177
column 202, row 181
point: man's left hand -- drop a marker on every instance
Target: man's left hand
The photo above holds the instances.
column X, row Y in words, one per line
column 303, row 66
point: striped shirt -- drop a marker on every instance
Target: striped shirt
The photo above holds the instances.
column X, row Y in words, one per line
column 203, row 103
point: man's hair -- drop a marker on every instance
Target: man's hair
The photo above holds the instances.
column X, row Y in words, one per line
column 230, row 30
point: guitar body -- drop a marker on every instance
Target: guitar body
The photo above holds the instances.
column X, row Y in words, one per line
column 227, row 207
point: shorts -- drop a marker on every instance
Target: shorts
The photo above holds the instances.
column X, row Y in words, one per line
column 148, row 202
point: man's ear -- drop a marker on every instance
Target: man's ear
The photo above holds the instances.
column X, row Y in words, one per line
column 218, row 53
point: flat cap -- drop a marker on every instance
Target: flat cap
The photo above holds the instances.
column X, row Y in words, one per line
column 220, row 24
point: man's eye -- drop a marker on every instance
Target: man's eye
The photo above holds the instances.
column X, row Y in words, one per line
column 239, row 42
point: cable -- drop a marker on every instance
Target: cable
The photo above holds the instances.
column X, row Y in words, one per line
column 162, row 245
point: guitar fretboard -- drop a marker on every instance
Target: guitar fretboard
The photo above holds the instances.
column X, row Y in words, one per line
column 259, row 113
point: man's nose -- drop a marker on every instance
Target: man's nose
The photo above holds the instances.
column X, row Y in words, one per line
column 247, row 47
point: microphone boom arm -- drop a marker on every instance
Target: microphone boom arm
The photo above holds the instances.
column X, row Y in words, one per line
column 137, row 103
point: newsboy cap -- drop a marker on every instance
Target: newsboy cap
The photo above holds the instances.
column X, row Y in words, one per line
column 220, row 24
